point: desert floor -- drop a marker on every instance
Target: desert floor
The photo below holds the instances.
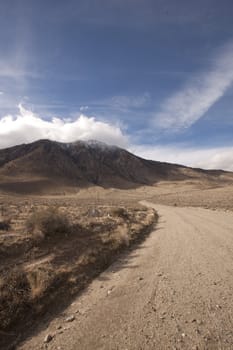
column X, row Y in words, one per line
column 174, row 291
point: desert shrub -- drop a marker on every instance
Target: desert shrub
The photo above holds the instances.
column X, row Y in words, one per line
column 120, row 212
column 122, row 236
column 40, row 280
column 50, row 222
column 14, row 296
column 5, row 225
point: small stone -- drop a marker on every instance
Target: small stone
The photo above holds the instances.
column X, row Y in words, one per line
column 207, row 337
column 109, row 292
column 59, row 327
column 183, row 335
column 140, row 278
column 48, row 338
column 70, row 318
column 81, row 312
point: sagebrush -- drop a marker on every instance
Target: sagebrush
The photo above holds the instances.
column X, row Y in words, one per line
column 50, row 222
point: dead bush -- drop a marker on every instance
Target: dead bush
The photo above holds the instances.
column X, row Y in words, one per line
column 122, row 236
column 120, row 212
column 14, row 296
column 40, row 279
column 50, row 222
column 5, row 225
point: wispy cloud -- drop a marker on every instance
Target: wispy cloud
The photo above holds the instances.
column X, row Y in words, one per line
column 127, row 102
column 188, row 105
column 83, row 108
column 14, row 71
column 122, row 103
column 27, row 126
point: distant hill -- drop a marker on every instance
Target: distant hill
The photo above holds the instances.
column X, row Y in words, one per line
column 44, row 165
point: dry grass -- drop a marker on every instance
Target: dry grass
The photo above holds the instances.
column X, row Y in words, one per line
column 77, row 243
column 120, row 212
column 5, row 225
column 14, row 296
column 49, row 222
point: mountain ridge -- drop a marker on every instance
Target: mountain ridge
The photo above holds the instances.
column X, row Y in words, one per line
column 88, row 163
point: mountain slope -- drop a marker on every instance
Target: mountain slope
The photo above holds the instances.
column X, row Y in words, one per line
column 47, row 164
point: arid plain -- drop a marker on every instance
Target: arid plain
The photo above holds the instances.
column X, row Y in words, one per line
column 171, row 290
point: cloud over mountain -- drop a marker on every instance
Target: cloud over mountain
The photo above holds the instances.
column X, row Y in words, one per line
column 28, row 126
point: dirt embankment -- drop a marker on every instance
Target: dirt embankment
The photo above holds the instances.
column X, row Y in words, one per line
column 45, row 268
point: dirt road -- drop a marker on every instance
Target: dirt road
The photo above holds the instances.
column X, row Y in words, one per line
column 175, row 291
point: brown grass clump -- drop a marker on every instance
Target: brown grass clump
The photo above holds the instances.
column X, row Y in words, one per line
column 5, row 225
column 40, row 279
column 120, row 212
column 14, row 296
column 122, row 236
column 49, row 222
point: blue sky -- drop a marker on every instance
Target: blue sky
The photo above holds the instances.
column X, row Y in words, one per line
column 153, row 76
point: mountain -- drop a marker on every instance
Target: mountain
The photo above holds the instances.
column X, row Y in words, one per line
column 44, row 164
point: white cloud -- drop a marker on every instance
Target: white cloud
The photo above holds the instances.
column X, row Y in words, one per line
column 1, row 93
column 185, row 107
column 28, row 127
column 210, row 158
column 83, row 108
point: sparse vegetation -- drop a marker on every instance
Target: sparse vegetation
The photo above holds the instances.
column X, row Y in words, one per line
column 5, row 225
column 120, row 212
column 14, row 295
column 77, row 244
column 50, row 222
